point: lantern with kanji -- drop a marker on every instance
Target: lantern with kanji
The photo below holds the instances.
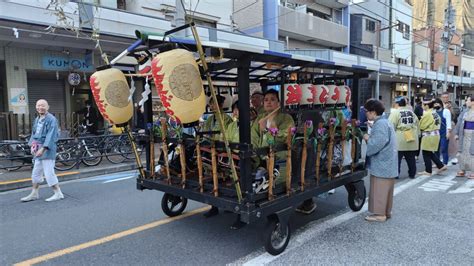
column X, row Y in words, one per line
column 293, row 94
column 322, row 94
column 334, row 94
column 308, row 94
column 111, row 92
column 179, row 85
column 347, row 96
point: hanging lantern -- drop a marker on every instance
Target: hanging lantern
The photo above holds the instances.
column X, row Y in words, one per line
column 309, row 94
column 111, row 92
column 322, row 94
column 179, row 84
column 334, row 94
column 293, row 94
column 345, row 94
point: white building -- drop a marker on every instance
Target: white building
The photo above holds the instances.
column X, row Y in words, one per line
column 401, row 34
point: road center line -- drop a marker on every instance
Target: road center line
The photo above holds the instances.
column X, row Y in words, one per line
column 311, row 230
column 109, row 238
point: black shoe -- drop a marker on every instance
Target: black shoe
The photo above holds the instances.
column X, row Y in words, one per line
column 237, row 224
column 307, row 207
column 212, row 212
column 412, row 177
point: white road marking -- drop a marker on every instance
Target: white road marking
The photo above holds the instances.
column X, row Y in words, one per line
column 311, row 230
column 465, row 188
column 118, row 179
column 437, row 185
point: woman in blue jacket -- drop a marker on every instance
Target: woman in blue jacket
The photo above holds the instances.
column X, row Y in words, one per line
column 382, row 159
column 44, row 137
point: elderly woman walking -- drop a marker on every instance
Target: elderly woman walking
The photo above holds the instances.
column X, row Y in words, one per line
column 465, row 133
column 382, row 159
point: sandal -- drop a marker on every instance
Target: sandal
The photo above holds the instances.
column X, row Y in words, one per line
column 461, row 174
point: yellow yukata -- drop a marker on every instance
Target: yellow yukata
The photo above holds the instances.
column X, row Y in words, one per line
column 405, row 123
column 430, row 124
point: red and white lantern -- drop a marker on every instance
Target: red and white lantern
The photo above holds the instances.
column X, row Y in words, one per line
column 322, row 94
column 293, row 94
column 309, row 94
column 334, row 94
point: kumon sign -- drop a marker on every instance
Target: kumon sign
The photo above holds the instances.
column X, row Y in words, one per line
column 61, row 63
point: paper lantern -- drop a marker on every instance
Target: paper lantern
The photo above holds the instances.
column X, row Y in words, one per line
column 179, row 85
column 345, row 94
column 309, row 94
column 334, row 94
column 322, row 94
column 293, row 94
column 111, row 92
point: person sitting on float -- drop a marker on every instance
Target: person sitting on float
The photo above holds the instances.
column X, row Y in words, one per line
column 271, row 119
column 212, row 124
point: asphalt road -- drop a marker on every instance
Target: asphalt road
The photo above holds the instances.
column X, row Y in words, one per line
column 106, row 221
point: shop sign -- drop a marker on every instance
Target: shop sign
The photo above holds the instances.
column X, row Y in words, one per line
column 61, row 63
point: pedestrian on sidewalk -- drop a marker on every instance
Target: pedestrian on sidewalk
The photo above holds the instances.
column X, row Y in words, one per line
column 382, row 162
column 43, row 148
column 405, row 123
column 465, row 134
column 430, row 125
column 444, row 130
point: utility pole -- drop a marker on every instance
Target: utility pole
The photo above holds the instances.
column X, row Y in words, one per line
column 449, row 30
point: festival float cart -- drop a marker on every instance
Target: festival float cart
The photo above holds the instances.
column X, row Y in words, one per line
column 321, row 152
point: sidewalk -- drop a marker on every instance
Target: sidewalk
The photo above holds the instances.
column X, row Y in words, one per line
column 22, row 178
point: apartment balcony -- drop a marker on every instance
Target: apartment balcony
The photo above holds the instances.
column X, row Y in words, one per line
column 333, row 3
column 308, row 28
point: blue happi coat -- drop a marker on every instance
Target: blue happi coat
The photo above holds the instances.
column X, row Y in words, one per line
column 46, row 133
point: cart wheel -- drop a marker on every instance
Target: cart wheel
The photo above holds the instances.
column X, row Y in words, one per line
column 173, row 205
column 355, row 200
column 276, row 236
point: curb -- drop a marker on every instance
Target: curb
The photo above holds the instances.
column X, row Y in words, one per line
column 22, row 183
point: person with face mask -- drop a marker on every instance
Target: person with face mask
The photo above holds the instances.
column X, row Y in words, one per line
column 444, row 130
column 44, row 137
column 430, row 125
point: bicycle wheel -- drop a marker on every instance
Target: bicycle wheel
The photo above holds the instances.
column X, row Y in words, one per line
column 64, row 159
column 8, row 160
column 127, row 151
column 113, row 152
column 91, row 157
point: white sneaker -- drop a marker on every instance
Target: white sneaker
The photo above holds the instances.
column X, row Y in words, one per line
column 332, row 191
column 34, row 195
column 454, row 160
column 58, row 195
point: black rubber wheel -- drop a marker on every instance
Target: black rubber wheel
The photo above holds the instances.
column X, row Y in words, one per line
column 64, row 161
column 356, row 201
column 173, row 205
column 276, row 236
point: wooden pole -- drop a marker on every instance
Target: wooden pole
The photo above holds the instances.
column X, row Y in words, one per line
column 318, row 157
column 199, row 164
column 164, row 147
column 271, row 165
column 182, row 160
column 218, row 112
column 288, row 163
column 304, row 156
column 214, row 170
column 343, row 143
column 330, row 150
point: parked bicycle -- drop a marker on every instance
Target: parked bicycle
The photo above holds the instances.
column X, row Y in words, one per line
column 15, row 154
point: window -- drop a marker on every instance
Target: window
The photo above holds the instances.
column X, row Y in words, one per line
column 399, row 26
column 370, row 25
column 406, row 32
column 401, row 61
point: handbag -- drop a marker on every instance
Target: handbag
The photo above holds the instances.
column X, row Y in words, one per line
column 408, row 134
